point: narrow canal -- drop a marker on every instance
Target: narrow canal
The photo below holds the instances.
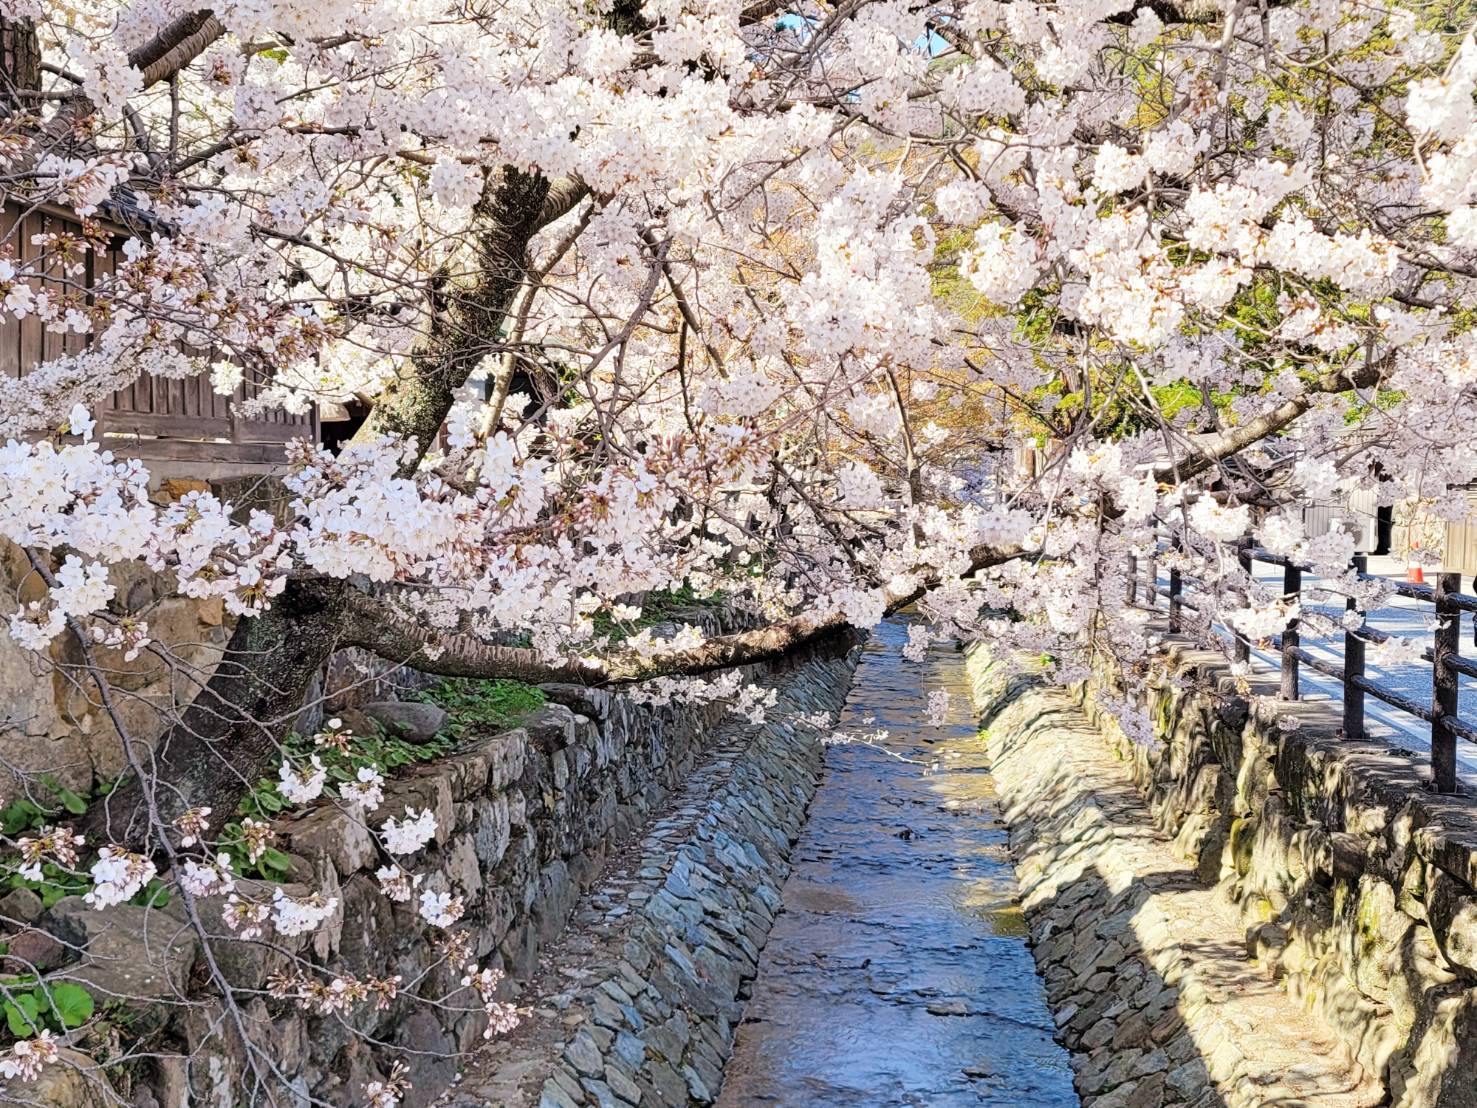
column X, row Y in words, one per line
column 898, row 973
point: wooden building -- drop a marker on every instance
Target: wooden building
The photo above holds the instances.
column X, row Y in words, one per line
column 156, row 419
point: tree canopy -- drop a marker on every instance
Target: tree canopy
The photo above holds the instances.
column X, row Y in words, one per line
column 826, row 307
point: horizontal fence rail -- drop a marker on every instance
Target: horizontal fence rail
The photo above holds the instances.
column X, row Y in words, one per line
column 1448, row 665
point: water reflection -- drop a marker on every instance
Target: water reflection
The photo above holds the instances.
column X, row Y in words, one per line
column 897, row 974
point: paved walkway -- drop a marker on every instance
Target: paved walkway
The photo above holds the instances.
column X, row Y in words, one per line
column 1145, row 968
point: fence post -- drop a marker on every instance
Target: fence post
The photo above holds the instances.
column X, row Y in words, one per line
column 1133, row 580
column 1241, row 645
column 1444, row 682
column 1174, row 599
column 1354, row 663
column 1292, row 585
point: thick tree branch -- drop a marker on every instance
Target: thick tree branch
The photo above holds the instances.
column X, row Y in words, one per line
column 564, row 195
column 1212, row 449
column 372, row 625
column 176, row 46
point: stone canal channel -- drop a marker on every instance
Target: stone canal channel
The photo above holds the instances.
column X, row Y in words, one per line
column 897, row 972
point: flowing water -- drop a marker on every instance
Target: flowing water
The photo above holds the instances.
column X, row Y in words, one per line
column 898, row 973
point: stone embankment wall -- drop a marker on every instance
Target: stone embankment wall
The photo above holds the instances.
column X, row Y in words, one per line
column 1355, row 883
column 642, row 998
column 51, row 720
column 659, row 1023
column 525, row 819
column 1145, row 969
column 1345, row 880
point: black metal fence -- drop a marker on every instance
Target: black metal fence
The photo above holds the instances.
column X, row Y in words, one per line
column 1448, row 665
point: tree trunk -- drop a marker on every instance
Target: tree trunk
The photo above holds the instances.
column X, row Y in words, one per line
column 417, row 403
column 229, row 737
column 20, row 63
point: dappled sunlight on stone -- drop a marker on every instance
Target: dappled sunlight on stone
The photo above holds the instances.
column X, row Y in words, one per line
column 1146, row 967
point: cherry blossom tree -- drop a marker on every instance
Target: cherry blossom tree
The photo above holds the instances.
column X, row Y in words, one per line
column 772, row 300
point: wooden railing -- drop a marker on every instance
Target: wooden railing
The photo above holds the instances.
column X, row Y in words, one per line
column 1448, row 665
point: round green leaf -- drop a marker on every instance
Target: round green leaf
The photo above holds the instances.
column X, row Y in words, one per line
column 72, row 1004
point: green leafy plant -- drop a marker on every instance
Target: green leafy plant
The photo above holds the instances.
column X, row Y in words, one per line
column 384, row 753
column 271, row 865
column 471, row 705
column 481, row 705
column 27, row 813
column 659, row 606
column 58, row 1007
column 54, row 883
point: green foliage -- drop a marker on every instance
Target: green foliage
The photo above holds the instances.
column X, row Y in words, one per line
column 264, row 802
column 1178, row 397
column 381, row 751
column 271, row 865
column 951, row 286
column 59, row 1007
column 659, row 606
column 472, row 705
column 482, row 705
column 28, row 813
column 54, row 884
column 1384, row 399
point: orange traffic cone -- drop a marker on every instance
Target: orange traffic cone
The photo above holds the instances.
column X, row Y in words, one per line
column 1413, row 571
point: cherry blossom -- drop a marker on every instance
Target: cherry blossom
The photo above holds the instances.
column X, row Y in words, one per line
column 28, row 1057
column 820, row 311
column 118, row 875
column 408, row 834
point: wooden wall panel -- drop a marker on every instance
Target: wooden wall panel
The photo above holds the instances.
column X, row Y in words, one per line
column 165, row 418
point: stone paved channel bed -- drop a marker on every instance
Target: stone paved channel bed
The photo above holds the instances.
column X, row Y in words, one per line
column 898, row 973
column 636, row 1004
column 1145, row 968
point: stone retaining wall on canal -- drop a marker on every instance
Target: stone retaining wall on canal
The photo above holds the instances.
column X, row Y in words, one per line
column 1339, row 880
column 525, row 820
column 667, row 944
column 1356, row 886
column 659, row 1023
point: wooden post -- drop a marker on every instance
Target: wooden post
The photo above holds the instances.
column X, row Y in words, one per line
column 1444, row 682
column 1241, row 645
column 1292, row 585
column 1174, row 599
column 1133, row 580
column 1354, row 664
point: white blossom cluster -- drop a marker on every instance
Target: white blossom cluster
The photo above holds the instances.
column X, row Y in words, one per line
column 964, row 306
